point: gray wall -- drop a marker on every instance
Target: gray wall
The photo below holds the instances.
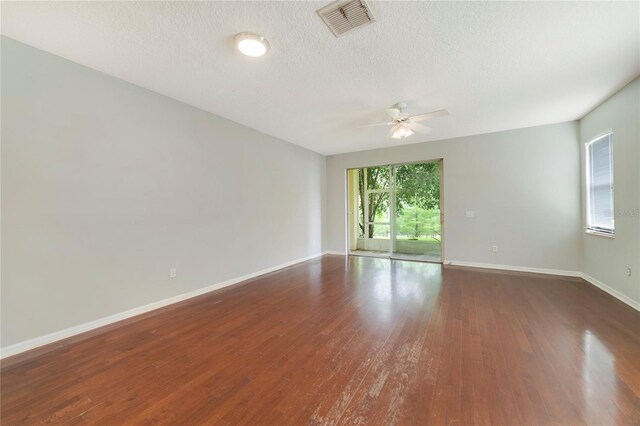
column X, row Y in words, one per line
column 607, row 259
column 105, row 186
column 523, row 186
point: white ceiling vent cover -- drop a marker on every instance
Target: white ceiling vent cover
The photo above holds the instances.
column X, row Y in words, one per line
column 344, row 16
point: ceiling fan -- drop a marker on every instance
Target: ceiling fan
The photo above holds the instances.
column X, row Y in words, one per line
column 405, row 125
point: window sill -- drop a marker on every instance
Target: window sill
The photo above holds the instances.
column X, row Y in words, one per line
column 600, row 234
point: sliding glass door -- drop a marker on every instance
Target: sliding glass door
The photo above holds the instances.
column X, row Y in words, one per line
column 394, row 211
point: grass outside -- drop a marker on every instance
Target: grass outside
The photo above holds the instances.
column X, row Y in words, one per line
column 428, row 239
column 405, row 238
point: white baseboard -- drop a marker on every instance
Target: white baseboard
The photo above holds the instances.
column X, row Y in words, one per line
column 560, row 272
column 72, row 331
column 613, row 292
column 339, row 253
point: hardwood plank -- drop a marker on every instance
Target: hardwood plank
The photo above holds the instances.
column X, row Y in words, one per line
column 344, row 341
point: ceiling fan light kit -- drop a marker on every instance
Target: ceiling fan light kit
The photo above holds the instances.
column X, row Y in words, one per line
column 401, row 131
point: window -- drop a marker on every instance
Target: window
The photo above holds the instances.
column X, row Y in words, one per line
column 600, row 214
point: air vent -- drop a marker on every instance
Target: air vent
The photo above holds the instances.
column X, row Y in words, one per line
column 344, row 16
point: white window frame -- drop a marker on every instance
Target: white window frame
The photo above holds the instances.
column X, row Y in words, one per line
column 589, row 228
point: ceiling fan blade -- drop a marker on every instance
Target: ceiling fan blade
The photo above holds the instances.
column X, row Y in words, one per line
column 429, row 115
column 392, row 133
column 420, row 128
column 393, row 113
column 378, row 124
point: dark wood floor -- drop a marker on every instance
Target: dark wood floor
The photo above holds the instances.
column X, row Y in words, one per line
column 364, row 341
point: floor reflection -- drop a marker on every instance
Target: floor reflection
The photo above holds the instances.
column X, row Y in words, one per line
column 388, row 289
column 600, row 386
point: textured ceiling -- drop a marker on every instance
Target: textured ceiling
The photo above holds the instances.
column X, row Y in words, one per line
column 495, row 66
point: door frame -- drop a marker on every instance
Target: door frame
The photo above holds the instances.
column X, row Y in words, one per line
column 391, row 191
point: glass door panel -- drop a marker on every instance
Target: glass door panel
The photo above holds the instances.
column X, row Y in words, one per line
column 375, row 185
column 417, row 218
column 377, row 238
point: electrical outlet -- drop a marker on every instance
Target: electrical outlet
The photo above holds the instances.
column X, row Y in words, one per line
column 628, row 272
column 494, row 248
column 470, row 213
column 173, row 272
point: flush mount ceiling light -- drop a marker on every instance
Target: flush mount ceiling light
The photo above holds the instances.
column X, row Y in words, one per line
column 251, row 44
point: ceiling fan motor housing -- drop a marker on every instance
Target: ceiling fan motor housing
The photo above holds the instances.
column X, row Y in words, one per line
column 400, row 106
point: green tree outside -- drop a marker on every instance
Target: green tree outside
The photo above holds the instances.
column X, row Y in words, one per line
column 417, row 223
column 417, row 193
